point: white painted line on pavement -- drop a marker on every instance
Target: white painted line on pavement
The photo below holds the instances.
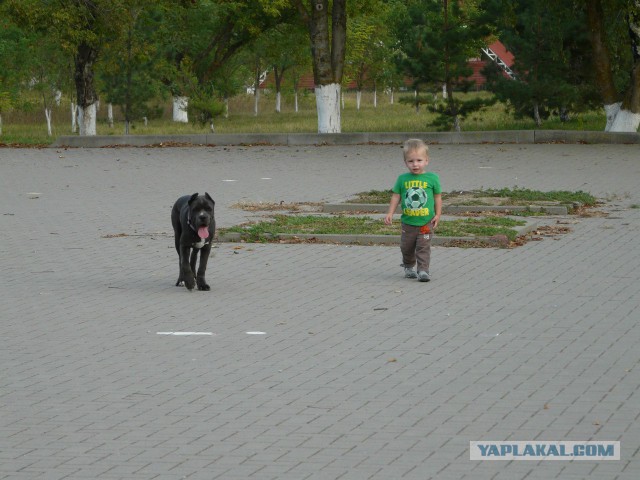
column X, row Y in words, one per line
column 184, row 333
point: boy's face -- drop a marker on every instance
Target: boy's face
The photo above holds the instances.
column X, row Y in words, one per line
column 417, row 161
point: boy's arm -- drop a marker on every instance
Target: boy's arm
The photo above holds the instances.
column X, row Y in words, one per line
column 437, row 203
column 393, row 205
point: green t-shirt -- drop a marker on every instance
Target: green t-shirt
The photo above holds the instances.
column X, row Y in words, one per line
column 416, row 197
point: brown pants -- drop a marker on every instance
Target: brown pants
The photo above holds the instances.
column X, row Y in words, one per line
column 415, row 246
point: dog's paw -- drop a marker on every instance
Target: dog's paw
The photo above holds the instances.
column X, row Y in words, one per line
column 189, row 283
column 180, row 283
column 204, row 287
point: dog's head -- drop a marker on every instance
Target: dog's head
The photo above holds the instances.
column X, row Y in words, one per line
column 201, row 216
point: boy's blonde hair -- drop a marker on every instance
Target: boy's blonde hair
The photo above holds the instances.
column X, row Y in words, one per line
column 414, row 144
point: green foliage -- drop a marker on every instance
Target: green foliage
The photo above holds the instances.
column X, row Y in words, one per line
column 437, row 38
column 204, row 107
column 130, row 62
column 369, row 56
column 552, row 59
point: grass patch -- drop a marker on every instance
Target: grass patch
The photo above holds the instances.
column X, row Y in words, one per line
column 507, row 196
column 480, row 227
column 526, row 195
column 372, row 196
column 349, row 225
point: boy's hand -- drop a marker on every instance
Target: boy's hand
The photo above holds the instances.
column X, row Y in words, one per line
column 434, row 221
column 393, row 204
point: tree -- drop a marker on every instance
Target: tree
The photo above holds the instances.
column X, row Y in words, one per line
column 609, row 22
column 284, row 48
column 369, row 57
column 79, row 27
column 552, row 65
column 130, row 61
column 327, row 24
column 209, row 34
column 84, row 25
column 48, row 73
column 362, row 43
column 437, row 38
column 14, row 43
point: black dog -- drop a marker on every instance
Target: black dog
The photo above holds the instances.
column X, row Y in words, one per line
column 194, row 226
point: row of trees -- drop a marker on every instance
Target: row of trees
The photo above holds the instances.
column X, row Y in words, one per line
column 570, row 55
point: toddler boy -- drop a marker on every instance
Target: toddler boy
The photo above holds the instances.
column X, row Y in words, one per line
column 419, row 193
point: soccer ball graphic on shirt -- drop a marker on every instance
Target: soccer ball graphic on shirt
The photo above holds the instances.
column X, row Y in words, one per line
column 415, row 198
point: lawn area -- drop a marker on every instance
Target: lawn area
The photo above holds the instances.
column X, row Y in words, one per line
column 29, row 127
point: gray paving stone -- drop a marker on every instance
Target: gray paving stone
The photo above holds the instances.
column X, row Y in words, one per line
column 360, row 372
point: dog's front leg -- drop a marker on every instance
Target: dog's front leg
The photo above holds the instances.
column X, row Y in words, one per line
column 204, row 258
column 186, row 273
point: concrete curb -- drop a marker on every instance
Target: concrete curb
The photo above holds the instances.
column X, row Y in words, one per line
column 292, row 139
column 448, row 209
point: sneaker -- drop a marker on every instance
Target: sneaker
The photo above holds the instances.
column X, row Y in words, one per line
column 410, row 273
column 423, row 276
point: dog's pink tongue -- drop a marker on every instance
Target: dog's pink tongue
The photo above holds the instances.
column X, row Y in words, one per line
column 203, row 232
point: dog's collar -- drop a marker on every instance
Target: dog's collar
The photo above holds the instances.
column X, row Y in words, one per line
column 191, row 224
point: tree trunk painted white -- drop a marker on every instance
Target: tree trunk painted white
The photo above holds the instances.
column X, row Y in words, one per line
column 375, row 98
column 212, row 127
column 47, row 114
column 58, row 97
column 295, row 101
column 226, row 107
column 328, row 105
column 391, row 99
column 110, row 114
column 256, row 100
column 180, row 105
column 625, row 121
column 358, row 99
column 278, row 101
column 536, row 115
column 74, row 118
column 87, row 120
column 611, row 112
column 444, row 91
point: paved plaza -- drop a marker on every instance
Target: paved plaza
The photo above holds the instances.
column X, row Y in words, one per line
column 355, row 372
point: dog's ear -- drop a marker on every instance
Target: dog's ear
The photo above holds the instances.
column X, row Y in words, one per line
column 209, row 197
column 193, row 197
